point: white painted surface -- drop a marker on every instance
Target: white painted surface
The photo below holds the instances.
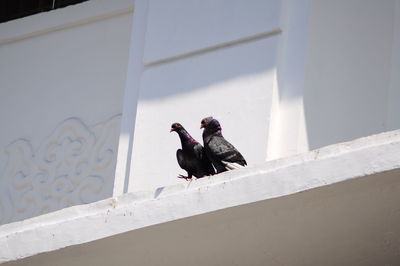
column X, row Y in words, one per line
column 131, row 92
column 336, row 77
column 215, row 58
column 177, row 27
column 62, row 78
column 348, row 69
column 349, row 223
column 50, row 78
column 288, row 134
column 233, row 84
column 393, row 119
column 71, row 166
column 358, row 159
column 59, row 19
column 337, row 73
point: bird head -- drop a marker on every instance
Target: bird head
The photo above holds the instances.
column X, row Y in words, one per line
column 175, row 127
column 206, row 121
column 210, row 124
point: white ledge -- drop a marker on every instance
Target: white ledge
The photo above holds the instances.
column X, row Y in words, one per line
column 329, row 165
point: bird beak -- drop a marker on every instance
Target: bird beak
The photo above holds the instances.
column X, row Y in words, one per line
column 171, row 130
column 201, row 126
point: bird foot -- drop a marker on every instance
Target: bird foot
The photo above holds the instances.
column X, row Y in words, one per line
column 186, row 178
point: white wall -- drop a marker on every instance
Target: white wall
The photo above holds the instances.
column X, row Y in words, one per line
column 393, row 120
column 61, row 98
column 282, row 77
column 350, row 59
column 198, row 25
column 287, row 134
column 337, row 74
column 213, row 58
column 336, row 77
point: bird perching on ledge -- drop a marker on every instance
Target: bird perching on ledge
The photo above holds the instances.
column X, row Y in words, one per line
column 223, row 155
column 192, row 156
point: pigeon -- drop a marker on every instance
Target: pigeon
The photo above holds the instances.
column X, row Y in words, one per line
column 191, row 157
column 223, row 155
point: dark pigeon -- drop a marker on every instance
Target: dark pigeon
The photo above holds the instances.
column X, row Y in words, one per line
column 223, row 155
column 191, row 157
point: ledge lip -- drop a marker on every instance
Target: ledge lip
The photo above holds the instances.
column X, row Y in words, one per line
column 272, row 179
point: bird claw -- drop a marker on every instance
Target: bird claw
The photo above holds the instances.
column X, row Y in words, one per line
column 185, row 177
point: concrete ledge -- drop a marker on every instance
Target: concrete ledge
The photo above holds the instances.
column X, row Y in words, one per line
column 85, row 223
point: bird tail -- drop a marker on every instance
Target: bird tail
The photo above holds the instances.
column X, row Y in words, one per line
column 232, row 166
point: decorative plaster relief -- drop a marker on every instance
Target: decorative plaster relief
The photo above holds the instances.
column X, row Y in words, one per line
column 74, row 165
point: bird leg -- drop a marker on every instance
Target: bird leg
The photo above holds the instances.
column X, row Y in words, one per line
column 186, row 177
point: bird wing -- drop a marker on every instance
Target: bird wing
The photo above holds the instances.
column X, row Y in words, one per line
column 225, row 151
column 180, row 156
column 198, row 151
column 232, row 166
